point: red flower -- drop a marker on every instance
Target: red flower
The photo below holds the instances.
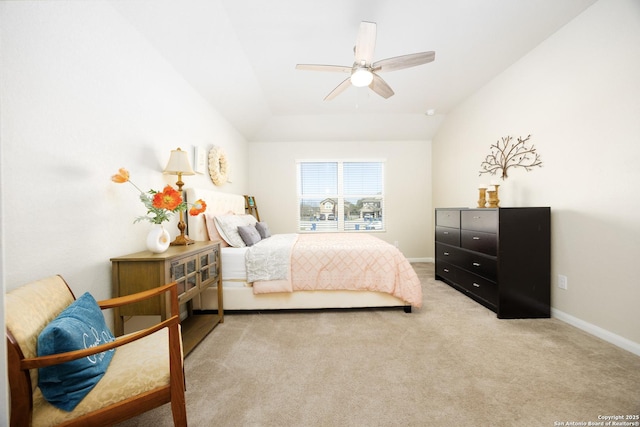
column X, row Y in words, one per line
column 169, row 199
column 198, row 207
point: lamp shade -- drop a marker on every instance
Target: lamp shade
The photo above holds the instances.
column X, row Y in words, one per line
column 361, row 77
column 179, row 163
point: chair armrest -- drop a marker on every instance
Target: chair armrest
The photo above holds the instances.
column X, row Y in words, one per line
column 56, row 359
column 139, row 296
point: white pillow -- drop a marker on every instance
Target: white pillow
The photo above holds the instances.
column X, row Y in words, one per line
column 227, row 226
column 212, row 230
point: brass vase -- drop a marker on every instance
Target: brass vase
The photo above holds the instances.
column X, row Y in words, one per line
column 482, row 197
column 494, row 201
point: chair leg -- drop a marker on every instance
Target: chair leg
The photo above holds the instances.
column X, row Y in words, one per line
column 178, row 401
column 178, row 404
column 179, row 414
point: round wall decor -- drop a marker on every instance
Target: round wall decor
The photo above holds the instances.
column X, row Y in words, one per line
column 218, row 166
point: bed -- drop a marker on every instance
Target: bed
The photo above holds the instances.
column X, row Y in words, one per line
column 255, row 289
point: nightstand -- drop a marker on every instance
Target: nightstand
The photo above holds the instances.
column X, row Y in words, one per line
column 194, row 267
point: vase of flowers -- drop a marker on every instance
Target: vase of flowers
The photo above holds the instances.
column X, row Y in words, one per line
column 161, row 205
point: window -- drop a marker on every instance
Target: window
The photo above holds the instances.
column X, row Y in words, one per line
column 340, row 196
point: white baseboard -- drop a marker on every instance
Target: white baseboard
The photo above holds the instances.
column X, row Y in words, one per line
column 597, row 331
column 420, row 260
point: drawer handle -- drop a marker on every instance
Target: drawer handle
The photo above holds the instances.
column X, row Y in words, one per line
column 446, row 254
column 476, row 238
column 476, row 285
column 445, row 232
column 446, row 270
column 476, row 264
column 476, row 217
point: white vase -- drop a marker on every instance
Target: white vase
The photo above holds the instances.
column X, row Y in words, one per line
column 158, row 239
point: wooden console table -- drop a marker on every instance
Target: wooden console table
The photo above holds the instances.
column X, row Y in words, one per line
column 194, row 267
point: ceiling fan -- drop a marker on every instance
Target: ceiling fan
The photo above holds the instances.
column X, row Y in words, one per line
column 364, row 72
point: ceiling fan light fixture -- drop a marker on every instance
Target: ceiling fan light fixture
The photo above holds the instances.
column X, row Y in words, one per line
column 361, row 77
column 362, row 70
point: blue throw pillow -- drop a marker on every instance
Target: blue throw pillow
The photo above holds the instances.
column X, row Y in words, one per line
column 79, row 326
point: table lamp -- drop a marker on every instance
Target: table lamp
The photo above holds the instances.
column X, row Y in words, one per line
column 179, row 165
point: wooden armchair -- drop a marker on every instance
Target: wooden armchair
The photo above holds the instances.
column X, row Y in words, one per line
column 146, row 370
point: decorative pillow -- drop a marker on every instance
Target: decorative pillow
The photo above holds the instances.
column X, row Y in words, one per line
column 249, row 234
column 212, row 231
column 263, row 229
column 227, row 226
column 79, row 326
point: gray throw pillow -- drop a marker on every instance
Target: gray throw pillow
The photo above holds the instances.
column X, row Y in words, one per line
column 249, row 234
column 263, row 229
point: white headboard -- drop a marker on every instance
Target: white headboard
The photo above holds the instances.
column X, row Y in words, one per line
column 217, row 204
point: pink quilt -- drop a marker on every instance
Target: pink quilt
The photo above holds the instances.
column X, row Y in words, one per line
column 351, row 261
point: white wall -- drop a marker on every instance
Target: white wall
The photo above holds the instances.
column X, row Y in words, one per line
column 4, row 392
column 409, row 215
column 578, row 94
column 82, row 95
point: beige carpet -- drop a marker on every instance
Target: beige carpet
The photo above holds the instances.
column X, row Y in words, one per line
column 451, row 363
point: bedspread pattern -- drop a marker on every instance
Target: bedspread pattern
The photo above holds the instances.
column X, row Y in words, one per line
column 339, row 261
column 270, row 259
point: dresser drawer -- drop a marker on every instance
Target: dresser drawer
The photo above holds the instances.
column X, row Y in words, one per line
column 450, row 254
column 448, row 235
column 481, row 265
column 487, row 243
column 448, row 217
column 482, row 288
column 480, row 220
column 446, row 271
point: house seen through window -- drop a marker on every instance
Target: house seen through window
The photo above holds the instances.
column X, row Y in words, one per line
column 340, row 196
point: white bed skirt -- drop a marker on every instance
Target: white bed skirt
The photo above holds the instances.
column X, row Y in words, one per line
column 243, row 298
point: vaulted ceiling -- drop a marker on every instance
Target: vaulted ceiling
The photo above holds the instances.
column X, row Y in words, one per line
column 241, row 55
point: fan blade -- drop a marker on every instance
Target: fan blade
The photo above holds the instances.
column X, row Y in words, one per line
column 339, row 89
column 404, row 61
column 381, row 87
column 318, row 67
column 365, row 43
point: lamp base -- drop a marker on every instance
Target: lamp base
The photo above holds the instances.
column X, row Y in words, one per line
column 182, row 240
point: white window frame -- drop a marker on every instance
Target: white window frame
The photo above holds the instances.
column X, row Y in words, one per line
column 357, row 225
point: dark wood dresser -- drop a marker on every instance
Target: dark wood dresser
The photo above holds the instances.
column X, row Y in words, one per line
column 499, row 257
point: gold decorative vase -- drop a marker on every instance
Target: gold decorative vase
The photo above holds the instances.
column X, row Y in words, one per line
column 482, row 197
column 494, row 201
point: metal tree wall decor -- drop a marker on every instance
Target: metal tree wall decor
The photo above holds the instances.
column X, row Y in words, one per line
column 506, row 154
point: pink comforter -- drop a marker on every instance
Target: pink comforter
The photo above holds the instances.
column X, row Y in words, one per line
column 353, row 262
